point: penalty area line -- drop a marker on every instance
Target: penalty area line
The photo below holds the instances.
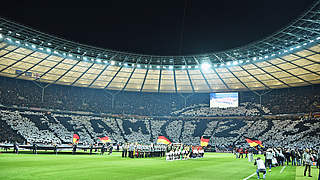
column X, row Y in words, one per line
column 249, row 176
column 282, row 169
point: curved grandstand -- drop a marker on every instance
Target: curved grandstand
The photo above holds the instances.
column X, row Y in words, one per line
column 288, row 58
column 150, row 95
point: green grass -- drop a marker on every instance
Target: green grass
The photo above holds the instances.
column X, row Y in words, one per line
column 214, row 166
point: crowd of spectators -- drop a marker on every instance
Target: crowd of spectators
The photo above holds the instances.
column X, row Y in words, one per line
column 57, row 127
column 22, row 93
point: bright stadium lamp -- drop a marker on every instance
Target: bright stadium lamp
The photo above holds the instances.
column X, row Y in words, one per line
column 170, row 67
column 205, row 66
column 1, row 36
column 229, row 63
column 235, row 63
column 138, row 65
column 112, row 62
column 183, row 67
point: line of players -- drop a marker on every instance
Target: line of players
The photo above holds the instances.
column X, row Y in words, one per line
column 134, row 150
column 183, row 152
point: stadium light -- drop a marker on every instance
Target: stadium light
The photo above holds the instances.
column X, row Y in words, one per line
column 248, row 61
column 98, row 60
column 170, row 67
column 125, row 64
column 318, row 38
column 205, row 65
column 189, row 67
column 33, row 46
column 138, row 65
column 113, row 63
column 183, row 67
column 158, row 67
column 255, row 58
column 197, row 67
column 235, row 63
column 1, row 36
column 9, row 39
column 48, row 50
column 228, row 63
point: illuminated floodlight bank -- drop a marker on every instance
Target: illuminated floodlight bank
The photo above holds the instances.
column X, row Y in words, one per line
column 205, row 66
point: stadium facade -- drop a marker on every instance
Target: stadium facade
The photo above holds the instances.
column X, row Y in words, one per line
column 287, row 58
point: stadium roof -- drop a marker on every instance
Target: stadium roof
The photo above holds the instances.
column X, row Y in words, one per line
column 288, row 58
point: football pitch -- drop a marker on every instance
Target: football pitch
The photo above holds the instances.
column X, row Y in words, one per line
column 217, row 166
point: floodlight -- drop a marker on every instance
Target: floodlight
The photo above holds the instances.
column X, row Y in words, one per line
column 1, row 36
column 158, row 67
column 48, row 50
column 33, row 46
column 183, row 67
column 170, row 67
column 205, row 66
column 255, row 58
column 138, row 65
column 98, row 60
column 189, row 67
column 126, row 64
column 235, row 63
column 113, row 63
column 229, row 63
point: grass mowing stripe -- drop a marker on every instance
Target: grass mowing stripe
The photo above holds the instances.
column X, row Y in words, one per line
column 249, row 176
column 282, row 169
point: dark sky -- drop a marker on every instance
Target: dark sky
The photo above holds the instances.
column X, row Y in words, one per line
column 154, row 27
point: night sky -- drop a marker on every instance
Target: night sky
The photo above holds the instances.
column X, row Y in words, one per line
column 154, row 27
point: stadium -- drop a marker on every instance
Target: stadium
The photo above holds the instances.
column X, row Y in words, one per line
column 63, row 104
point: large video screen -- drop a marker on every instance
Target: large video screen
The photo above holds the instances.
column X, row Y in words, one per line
column 224, row 100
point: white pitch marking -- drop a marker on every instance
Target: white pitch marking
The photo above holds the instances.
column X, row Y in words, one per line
column 282, row 169
column 249, row 176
